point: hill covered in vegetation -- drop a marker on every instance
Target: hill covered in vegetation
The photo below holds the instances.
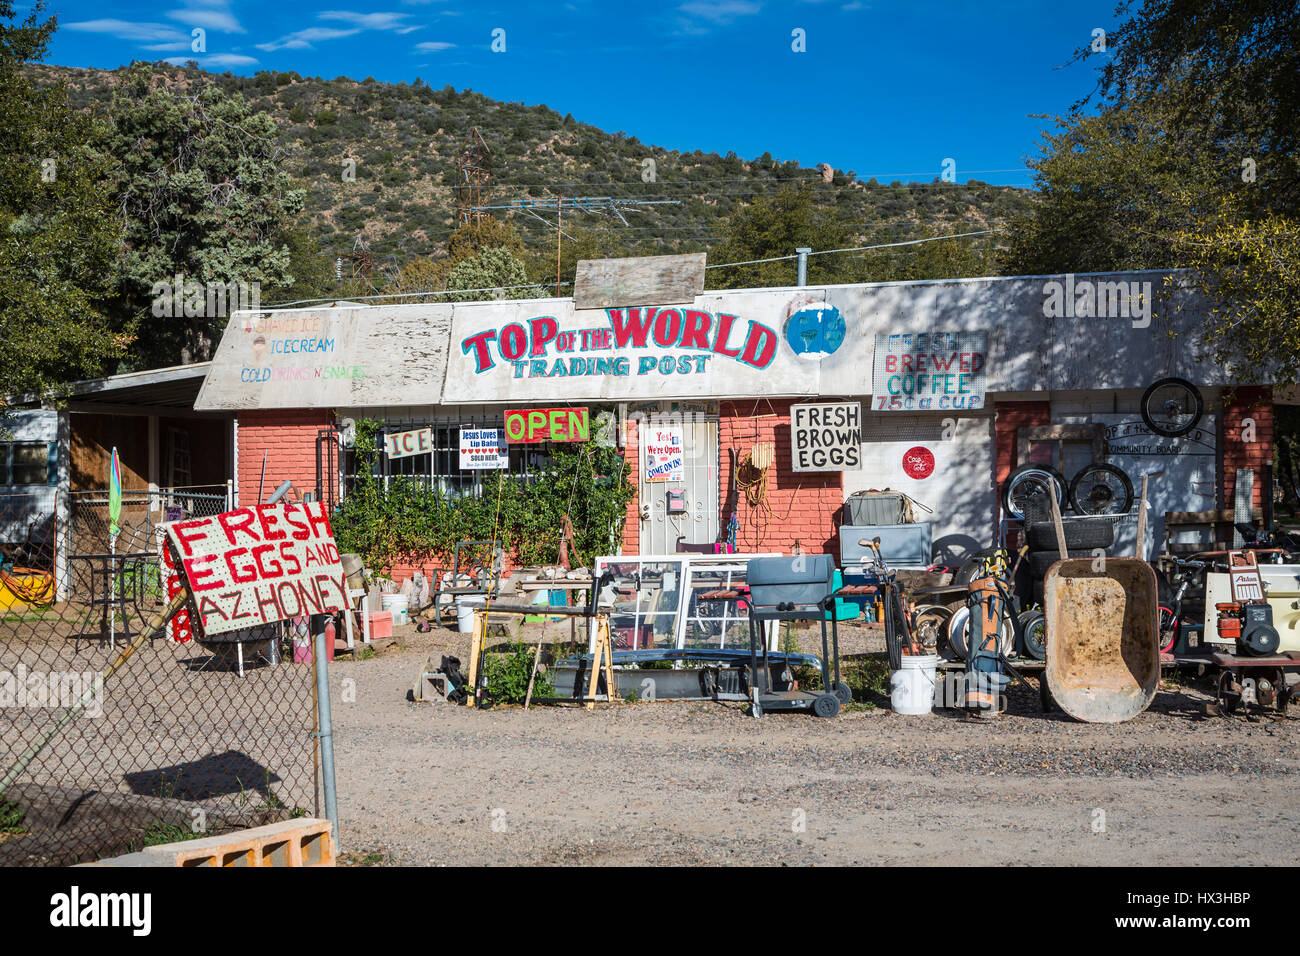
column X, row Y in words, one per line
column 379, row 162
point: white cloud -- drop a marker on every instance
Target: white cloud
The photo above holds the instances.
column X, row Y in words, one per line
column 303, row 39
column 433, row 46
column 216, row 59
column 160, row 33
column 370, row 21
column 719, row 11
column 209, row 14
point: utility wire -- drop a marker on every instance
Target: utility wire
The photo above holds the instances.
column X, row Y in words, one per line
column 720, row 265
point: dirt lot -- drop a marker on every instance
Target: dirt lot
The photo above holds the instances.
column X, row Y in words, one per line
column 680, row 783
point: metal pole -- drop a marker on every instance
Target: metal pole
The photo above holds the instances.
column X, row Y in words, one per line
column 803, row 264
column 326, row 734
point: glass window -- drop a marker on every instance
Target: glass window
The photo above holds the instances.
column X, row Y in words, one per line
column 440, row 468
column 25, row 463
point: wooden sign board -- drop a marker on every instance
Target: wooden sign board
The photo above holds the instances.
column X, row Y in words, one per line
column 638, row 280
column 547, row 424
column 826, row 436
column 416, row 441
column 259, row 565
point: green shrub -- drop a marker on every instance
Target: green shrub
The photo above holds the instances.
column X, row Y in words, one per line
column 507, row 675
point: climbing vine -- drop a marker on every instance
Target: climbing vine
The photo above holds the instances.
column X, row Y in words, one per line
column 411, row 519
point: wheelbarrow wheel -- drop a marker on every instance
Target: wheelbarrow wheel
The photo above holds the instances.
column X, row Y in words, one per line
column 826, row 705
column 844, row 692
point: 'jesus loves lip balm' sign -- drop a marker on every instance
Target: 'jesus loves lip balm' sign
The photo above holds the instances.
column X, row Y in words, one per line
column 258, row 565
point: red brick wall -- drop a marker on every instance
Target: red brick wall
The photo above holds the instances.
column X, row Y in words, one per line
column 802, row 507
column 288, row 437
column 1246, row 402
column 632, row 519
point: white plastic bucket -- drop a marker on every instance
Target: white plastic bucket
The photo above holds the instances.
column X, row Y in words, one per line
column 911, row 687
column 465, row 607
column 398, row 604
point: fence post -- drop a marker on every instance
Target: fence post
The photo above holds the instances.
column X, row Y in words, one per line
column 326, row 732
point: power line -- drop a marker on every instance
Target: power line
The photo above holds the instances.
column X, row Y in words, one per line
column 720, row 265
column 827, row 252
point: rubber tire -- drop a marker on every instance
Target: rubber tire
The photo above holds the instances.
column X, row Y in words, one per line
column 935, row 610
column 1056, row 476
column 844, row 692
column 1125, row 482
column 957, row 625
column 1034, row 649
column 826, row 705
column 1165, row 431
column 1040, row 562
column 1041, row 535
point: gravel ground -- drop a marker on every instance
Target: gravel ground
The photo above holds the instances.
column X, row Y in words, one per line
column 680, row 783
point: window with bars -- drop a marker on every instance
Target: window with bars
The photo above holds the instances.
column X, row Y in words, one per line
column 440, row 467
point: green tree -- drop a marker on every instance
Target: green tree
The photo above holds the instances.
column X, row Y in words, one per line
column 1191, row 161
column 471, row 238
column 776, row 226
column 496, row 272
column 204, row 196
column 309, row 274
column 58, row 237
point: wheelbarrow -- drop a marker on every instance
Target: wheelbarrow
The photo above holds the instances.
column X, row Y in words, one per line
column 1103, row 661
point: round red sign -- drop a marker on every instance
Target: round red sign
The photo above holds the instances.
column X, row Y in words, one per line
column 918, row 462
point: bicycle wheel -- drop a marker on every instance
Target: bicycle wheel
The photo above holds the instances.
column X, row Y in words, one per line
column 1025, row 494
column 1101, row 489
column 1169, row 628
column 1172, row 407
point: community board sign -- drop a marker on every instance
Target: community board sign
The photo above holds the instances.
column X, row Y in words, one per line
column 258, row 565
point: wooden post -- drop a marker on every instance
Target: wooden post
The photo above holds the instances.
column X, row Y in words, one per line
column 1060, row 527
column 1142, row 520
column 476, row 654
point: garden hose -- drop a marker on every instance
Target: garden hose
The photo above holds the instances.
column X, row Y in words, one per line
column 29, row 591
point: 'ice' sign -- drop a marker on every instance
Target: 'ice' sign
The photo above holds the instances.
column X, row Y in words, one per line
column 258, row 565
column 826, row 436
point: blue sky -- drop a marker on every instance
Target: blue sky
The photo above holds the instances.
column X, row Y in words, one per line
column 883, row 88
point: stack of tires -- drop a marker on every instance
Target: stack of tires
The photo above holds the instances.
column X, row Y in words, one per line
column 1084, row 537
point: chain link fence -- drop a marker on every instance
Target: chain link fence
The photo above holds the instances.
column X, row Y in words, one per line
column 180, row 741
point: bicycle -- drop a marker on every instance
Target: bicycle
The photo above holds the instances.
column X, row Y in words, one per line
column 898, row 629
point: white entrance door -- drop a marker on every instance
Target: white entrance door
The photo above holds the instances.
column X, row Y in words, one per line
column 679, row 498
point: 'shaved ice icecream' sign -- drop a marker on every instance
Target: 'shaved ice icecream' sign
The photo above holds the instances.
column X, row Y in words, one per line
column 259, row 565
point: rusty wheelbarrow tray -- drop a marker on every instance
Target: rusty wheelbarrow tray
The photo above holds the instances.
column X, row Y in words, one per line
column 1103, row 662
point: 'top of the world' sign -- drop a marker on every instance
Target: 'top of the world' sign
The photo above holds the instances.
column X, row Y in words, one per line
column 259, row 565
